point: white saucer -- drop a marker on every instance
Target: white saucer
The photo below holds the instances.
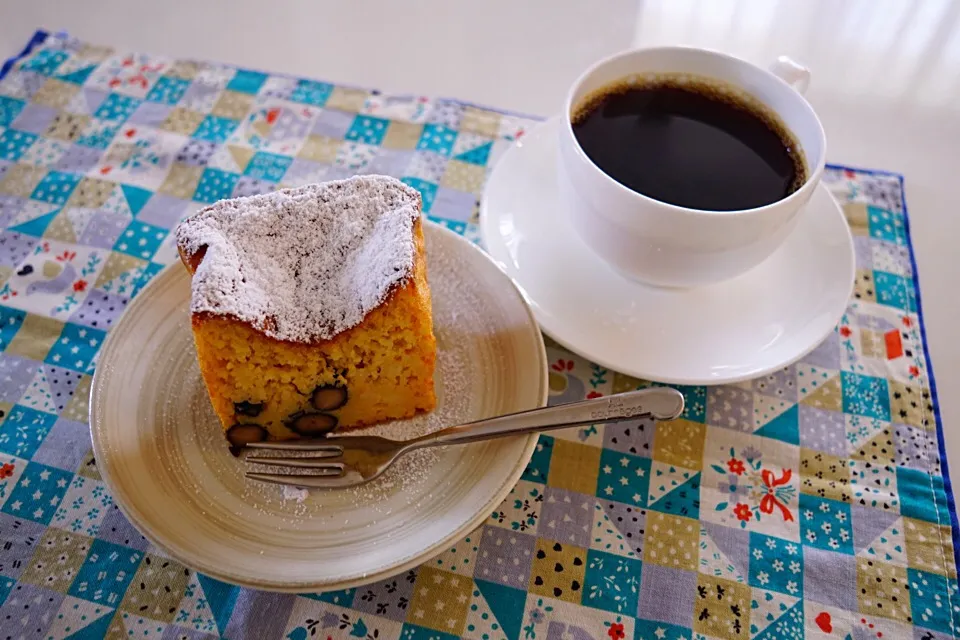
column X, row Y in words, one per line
column 736, row 330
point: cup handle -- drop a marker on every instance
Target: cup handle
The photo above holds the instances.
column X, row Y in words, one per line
column 792, row 72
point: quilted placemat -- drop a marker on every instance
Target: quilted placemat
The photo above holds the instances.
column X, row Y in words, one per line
column 813, row 502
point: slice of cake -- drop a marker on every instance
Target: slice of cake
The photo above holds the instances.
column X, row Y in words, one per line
column 310, row 308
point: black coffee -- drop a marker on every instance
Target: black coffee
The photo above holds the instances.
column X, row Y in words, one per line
column 690, row 144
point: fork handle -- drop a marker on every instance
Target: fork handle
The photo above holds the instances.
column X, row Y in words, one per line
column 661, row 403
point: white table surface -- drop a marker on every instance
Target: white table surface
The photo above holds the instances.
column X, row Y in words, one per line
column 886, row 77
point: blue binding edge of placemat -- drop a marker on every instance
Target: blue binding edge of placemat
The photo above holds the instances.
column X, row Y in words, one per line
column 40, row 35
column 37, row 39
column 941, row 442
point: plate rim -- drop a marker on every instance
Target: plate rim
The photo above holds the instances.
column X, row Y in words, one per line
column 282, row 586
column 547, row 327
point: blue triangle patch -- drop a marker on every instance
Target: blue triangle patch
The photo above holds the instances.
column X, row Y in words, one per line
column 477, row 155
column 789, row 626
column 96, row 630
column 79, row 76
column 136, row 197
column 644, row 629
column 411, row 631
column 37, row 226
column 785, row 427
column 506, row 603
column 220, row 598
column 682, row 501
column 6, row 584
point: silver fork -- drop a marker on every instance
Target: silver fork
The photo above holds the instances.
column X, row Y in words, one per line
column 343, row 461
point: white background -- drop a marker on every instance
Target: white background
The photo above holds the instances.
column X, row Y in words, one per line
column 886, row 76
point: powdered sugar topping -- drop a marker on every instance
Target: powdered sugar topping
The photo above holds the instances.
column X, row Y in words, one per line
column 303, row 264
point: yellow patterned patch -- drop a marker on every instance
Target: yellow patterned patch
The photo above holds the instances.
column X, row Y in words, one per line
column 61, row 229
column 181, row 181
column 872, row 344
column 829, row 396
column 864, row 287
column 156, row 588
column 117, row 630
column 460, row 557
column 721, row 608
column 116, row 265
column 182, row 121
column 88, row 469
column 557, row 382
column 184, row 69
column 232, row 104
column 929, row 547
column 464, row 176
column 574, row 466
column 319, row 149
column 878, row 450
column 558, row 570
column 119, row 152
column 21, row 179
column 35, row 337
column 622, row 382
column 475, row 213
column 440, row 601
column 55, row 93
column 857, row 218
column 481, row 121
column 347, row 99
column 824, row 475
column 882, row 589
column 911, row 405
column 57, row 560
column 680, row 443
column 672, row 541
column 77, row 408
column 94, row 52
column 402, row 135
column 240, row 155
column 67, row 126
column 91, row 193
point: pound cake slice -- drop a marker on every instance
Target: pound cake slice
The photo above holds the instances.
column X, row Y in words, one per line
column 310, row 308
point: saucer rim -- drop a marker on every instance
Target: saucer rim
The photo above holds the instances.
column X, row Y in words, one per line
column 550, row 330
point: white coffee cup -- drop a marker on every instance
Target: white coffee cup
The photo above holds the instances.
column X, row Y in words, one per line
column 668, row 245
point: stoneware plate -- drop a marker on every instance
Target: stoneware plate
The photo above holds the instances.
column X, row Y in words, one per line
column 161, row 450
column 735, row 330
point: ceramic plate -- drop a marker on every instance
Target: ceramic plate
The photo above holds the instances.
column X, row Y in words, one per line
column 161, row 451
column 732, row 331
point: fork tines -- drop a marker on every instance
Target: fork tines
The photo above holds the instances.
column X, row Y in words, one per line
column 305, row 444
column 319, row 458
column 320, row 462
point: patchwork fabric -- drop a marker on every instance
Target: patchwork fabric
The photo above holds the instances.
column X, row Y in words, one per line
column 807, row 503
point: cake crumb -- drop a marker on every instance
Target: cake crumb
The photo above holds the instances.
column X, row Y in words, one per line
column 299, row 494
